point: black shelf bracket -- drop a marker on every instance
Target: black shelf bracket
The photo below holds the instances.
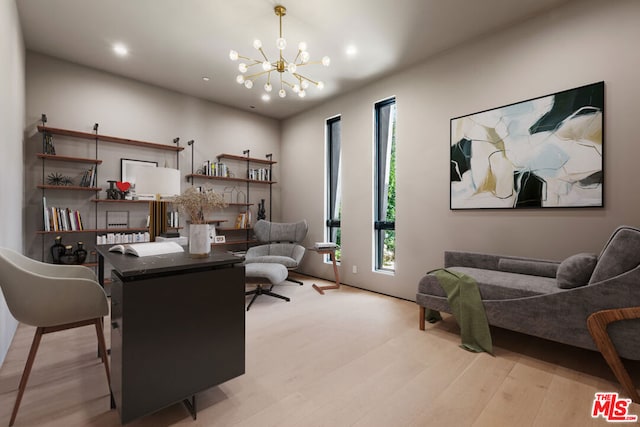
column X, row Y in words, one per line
column 190, row 144
column 176, row 141
column 270, row 158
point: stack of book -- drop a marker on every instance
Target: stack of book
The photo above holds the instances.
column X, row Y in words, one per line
column 210, row 168
column 325, row 245
column 61, row 219
column 89, row 178
column 243, row 220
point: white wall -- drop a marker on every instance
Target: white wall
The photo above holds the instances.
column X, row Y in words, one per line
column 12, row 94
column 76, row 97
column 581, row 43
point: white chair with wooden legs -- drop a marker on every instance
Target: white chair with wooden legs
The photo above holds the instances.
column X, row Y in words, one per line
column 52, row 298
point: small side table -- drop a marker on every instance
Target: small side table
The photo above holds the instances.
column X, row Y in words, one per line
column 332, row 255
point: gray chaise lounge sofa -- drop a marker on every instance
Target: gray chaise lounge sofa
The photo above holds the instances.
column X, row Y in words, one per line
column 524, row 295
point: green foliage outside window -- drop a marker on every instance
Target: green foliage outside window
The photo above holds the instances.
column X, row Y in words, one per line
column 390, row 235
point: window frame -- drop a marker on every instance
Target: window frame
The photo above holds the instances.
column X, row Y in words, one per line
column 333, row 192
column 380, row 223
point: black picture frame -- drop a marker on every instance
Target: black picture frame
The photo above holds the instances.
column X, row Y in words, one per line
column 545, row 152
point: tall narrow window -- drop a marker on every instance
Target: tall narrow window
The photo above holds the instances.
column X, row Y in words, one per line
column 334, row 193
column 385, row 185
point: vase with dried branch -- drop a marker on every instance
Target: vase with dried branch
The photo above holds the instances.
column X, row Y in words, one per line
column 196, row 205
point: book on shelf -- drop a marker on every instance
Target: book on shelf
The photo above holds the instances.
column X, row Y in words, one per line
column 117, row 238
column 241, row 220
column 88, row 177
column 49, row 148
column 47, row 223
column 61, row 219
column 148, row 248
column 173, row 219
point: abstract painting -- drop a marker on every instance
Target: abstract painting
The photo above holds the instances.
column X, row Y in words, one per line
column 540, row 153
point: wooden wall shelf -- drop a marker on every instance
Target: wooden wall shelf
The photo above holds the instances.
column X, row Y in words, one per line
column 95, row 230
column 73, row 138
column 244, row 158
column 114, row 139
column 68, row 158
column 233, row 229
column 68, row 187
column 225, row 178
column 119, row 201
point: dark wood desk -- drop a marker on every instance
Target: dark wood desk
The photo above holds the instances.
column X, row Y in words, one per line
column 177, row 328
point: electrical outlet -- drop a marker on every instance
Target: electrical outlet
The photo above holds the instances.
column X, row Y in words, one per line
column 354, row 269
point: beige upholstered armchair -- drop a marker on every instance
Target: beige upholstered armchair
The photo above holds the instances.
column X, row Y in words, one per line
column 51, row 298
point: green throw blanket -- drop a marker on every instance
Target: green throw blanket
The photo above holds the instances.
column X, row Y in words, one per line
column 466, row 305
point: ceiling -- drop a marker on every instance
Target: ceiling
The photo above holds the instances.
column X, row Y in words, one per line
column 175, row 43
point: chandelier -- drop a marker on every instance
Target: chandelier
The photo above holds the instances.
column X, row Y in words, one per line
column 297, row 82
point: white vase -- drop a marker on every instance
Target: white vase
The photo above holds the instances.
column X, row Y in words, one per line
column 199, row 241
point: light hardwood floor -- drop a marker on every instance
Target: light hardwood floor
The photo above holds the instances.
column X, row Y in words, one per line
column 348, row 358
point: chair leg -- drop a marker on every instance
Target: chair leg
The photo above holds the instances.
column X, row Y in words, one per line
column 255, row 293
column 421, row 317
column 260, row 290
column 270, row 293
column 597, row 324
column 289, row 279
column 102, row 346
column 25, row 374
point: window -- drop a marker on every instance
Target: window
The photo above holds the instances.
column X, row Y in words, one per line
column 334, row 193
column 385, row 185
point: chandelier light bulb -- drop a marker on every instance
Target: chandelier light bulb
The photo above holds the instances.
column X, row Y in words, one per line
column 257, row 44
column 248, row 84
column 242, row 67
column 304, row 56
column 320, row 85
column 296, row 88
column 326, row 61
column 268, row 87
column 282, row 93
column 233, row 55
column 302, row 94
column 240, row 79
column 304, row 84
column 292, row 67
column 281, row 43
column 266, row 65
column 302, row 46
column 266, row 97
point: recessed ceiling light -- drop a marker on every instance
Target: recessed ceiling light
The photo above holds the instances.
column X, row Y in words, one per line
column 206, row 79
column 120, row 49
column 351, row 50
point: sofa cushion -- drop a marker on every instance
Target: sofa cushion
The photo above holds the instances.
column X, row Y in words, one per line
column 620, row 254
column 576, row 270
column 522, row 266
column 495, row 285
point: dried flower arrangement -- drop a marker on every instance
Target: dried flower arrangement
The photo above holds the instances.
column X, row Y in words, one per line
column 195, row 204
